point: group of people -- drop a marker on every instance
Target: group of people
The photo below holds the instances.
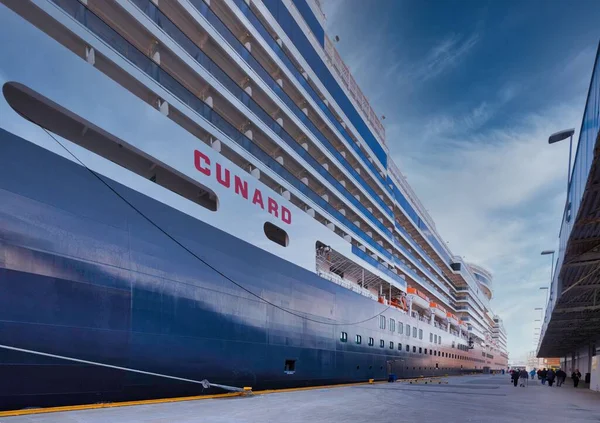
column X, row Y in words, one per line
column 545, row 375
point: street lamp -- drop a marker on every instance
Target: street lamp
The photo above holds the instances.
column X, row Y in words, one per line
column 545, row 253
column 563, row 135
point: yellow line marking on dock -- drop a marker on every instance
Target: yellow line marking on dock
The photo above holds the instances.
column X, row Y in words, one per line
column 12, row 413
column 247, row 392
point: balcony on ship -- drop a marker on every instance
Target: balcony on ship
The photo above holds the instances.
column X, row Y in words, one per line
column 369, row 278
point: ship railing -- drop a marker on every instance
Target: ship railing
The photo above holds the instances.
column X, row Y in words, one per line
column 333, row 57
column 402, row 181
column 332, row 277
column 282, row 55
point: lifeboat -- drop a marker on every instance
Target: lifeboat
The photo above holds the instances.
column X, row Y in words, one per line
column 452, row 319
column 418, row 299
column 400, row 303
column 438, row 310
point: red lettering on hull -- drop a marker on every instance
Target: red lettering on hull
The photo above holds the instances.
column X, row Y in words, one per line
column 223, row 176
column 223, row 181
column 272, row 207
column 241, row 187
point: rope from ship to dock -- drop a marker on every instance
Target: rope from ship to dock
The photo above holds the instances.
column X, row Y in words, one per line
column 214, row 269
column 204, row 383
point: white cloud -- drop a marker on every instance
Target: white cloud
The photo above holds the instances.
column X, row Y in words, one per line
column 444, row 55
column 497, row 197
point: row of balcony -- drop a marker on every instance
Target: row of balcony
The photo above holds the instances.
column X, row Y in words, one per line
column 101, row 29
column 266, row 77
column 92, row 22
column 202, row 59
column 282, row 55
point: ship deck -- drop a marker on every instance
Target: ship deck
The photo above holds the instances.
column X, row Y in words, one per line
column 489, row 398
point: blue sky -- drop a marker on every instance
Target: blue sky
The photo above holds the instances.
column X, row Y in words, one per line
column 471, row 90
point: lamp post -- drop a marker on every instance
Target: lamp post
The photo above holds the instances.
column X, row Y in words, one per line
column 563, row 135
column 546, row 253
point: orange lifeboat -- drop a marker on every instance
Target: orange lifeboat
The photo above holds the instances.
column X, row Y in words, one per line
column 418, row 298
column 438, row 310
column 400, row 303
column 452, row 319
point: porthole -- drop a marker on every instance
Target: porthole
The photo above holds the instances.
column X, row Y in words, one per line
column 276, row 234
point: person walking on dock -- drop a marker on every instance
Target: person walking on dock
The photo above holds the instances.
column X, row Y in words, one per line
column 550, row 377
column 543, row 375
column 523, row 376
column 515, row 377
column 561, row 375
column 576, row 376
column 532, row 374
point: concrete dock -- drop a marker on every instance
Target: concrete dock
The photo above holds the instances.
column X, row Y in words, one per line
column 482, row 398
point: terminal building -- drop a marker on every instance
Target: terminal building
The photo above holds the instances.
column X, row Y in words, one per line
column 571, row 327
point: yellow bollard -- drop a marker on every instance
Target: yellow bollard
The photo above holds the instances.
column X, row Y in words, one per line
column 371, row 381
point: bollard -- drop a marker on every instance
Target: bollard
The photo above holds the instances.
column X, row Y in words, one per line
column 371, row 381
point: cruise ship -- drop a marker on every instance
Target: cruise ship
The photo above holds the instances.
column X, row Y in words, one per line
column 196, row 195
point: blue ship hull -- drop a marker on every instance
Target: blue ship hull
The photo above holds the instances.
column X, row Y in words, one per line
column 83, row 276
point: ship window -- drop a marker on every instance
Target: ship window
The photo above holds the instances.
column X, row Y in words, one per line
column 430, row 337
column 381, row 322
column 435, row 339
column 420, row 350
column 407, row 330
column 414, row 332
column 440, row 339
column 407, row 348
column 434, row 352
column 58, row 120
column 343, row 337
column 358, row 339
column 391, row 345
column 425, row 351
column 371, row 342
column 392, row 325
column 381, row 343
column 290, row 366
column 400, row 328
column 420, row 333
column 276, row 234
column 399, row 346
column 414, row 349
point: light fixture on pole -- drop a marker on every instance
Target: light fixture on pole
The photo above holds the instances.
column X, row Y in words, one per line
column 546, row 253
column 563, row 135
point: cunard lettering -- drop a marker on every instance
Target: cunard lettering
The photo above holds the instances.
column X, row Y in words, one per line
column 223, row 176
